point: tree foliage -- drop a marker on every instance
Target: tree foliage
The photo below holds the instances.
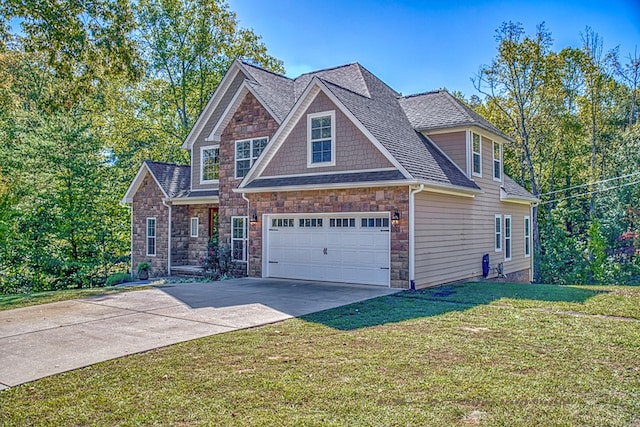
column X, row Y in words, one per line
column 88, row 90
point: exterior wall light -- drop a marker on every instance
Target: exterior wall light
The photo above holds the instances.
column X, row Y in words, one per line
column 254, row 218
column 395, row 218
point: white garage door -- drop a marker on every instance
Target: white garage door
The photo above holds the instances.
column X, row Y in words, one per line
column 351, row 248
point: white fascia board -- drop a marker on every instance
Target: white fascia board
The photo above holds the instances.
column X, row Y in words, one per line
column 195, row 200
column 281, row 134
column 233, row 106
column 453, row 190
column 316, row 187
column 215, row 99
column 137, row 182
column 312, row 90
column 490, row 135
column 504, row 197
column 363, row 129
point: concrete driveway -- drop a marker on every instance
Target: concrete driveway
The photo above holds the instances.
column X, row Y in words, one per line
column 47, row 339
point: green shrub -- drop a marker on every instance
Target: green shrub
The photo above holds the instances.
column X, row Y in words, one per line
column 118, row 278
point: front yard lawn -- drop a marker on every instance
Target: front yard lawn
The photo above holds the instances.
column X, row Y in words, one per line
column 470, row 354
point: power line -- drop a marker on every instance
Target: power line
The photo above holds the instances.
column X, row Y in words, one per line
column 591, row 183
column 590, row 192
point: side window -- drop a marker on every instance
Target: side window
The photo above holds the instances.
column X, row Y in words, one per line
column 194, row 226
column 321, row 139
column 476, row 149
column 498, row 233
column 507, row 237
column 151, row 237
column 527, row 236
column 247, row 152
column 497, row 161
column 239, row 237
column 209, row 163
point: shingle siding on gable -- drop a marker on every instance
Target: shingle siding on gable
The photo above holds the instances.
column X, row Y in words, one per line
column 453, row 145
column 200, row 139
column 353, row 150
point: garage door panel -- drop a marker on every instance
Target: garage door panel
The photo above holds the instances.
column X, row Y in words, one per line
column 340, row 254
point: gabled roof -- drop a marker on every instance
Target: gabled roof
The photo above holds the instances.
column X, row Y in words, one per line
column 440, row 110
column 514, row 191
column 174, row 180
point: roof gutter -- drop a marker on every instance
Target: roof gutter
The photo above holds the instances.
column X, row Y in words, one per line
column 412, row 235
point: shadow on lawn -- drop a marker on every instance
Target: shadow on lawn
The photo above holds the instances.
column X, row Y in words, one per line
column 436, row 301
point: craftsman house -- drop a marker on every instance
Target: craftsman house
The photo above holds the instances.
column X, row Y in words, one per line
column 334, row 176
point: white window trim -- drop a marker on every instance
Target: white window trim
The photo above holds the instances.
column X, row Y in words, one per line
column 493, row 164
column 251, row 159
column 527, row 237
column 245, row 253
column 202, row 149
column 507, row 236
column 310, row 163
column 497, row 234
column 155, row 235
column 474, row 173
column 194, row 230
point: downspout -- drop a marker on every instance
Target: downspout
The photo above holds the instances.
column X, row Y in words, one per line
column 131, row 243
column 244, row 196
column 412, row 235
column 164, row 202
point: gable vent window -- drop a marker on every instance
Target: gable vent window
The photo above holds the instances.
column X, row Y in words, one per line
column 247, row 152
column 210, row 163
column 321, row 139
column 476, row 148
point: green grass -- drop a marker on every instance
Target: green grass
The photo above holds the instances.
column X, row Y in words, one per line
column 488, row 354
column 11, row 301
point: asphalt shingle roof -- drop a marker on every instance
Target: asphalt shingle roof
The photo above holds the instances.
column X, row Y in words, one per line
column 327, row 179
column 514, row 189
column 175, row 180
column 440, row 110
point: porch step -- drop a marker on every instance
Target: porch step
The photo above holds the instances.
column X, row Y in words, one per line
column 187, row 270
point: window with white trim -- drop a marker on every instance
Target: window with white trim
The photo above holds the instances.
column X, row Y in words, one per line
column 239, row 237
column 194, row 226
column 321, row 131
column 527, row 236
column 247, row 152
column 151, row 237
column 498, row 233
column 497, row 161
column 476, row 156
column 282, row 222
column 209, row 163
column 507, row 237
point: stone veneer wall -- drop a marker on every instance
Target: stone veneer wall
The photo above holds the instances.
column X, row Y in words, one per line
column 147, row 202
column 251, row 120
column 345, row 200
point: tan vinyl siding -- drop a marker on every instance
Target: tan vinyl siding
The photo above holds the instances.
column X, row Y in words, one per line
column 353, row 150
column 206, row 131
column 452, row 233
column 453, row 145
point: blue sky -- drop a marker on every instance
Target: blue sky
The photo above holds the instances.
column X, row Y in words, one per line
column 416, row 46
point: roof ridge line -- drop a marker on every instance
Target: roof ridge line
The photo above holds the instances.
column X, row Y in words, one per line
column 343, row 88
column 266, row 71
column 166, row 163
column 326, row 69
column 429, row 92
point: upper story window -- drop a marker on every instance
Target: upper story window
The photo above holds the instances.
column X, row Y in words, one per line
column 476, row 149
column 209, row 163
column 497, row 161
column 247, row 152
column 321, row 136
